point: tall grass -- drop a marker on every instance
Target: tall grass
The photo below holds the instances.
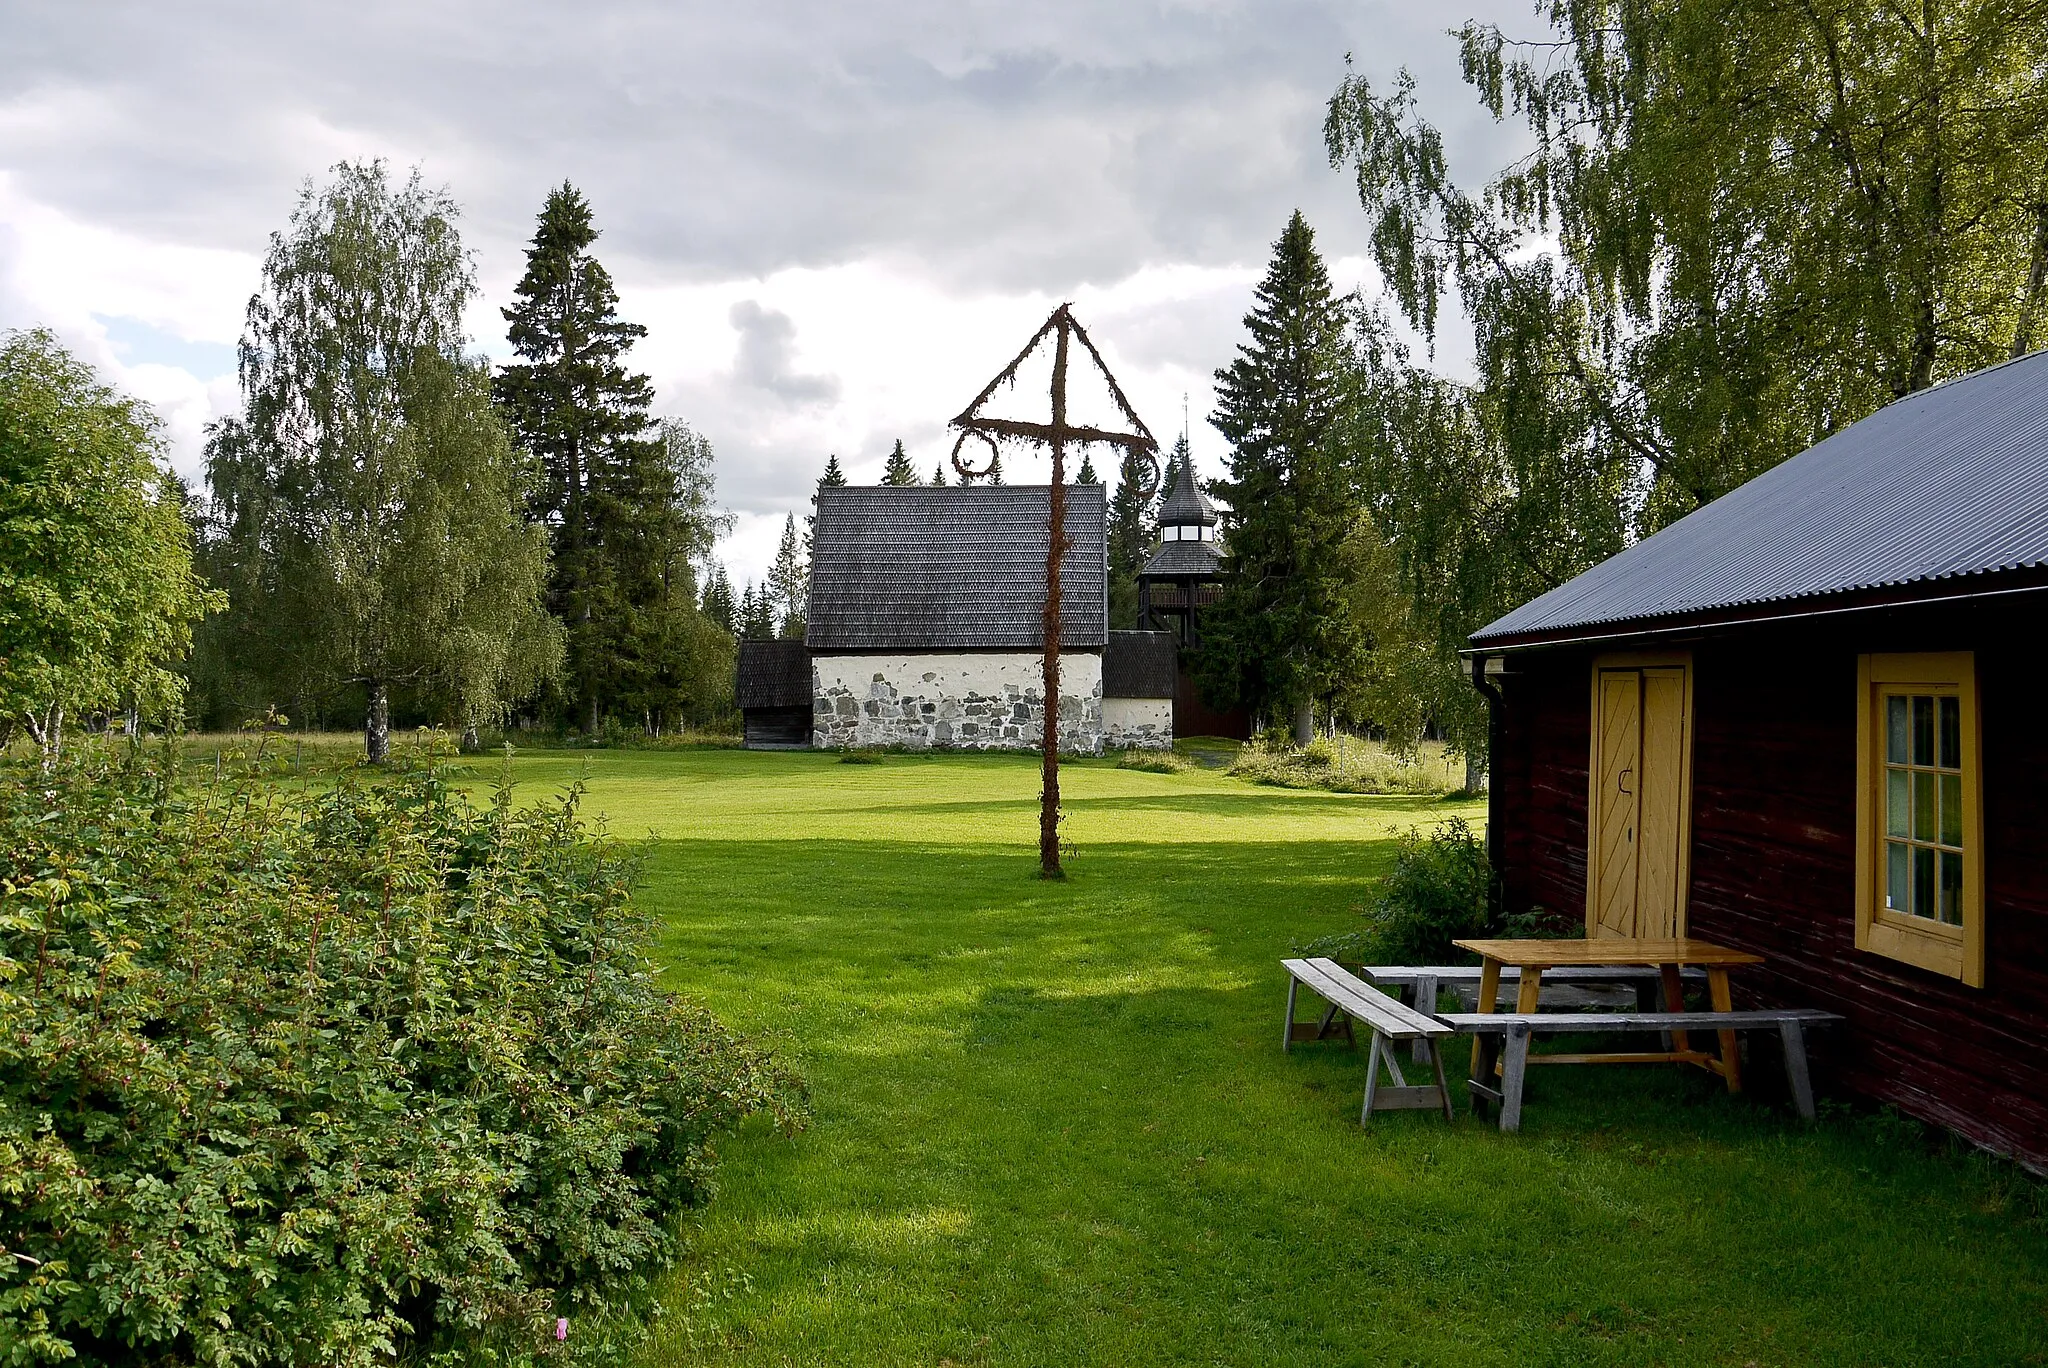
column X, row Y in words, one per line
column 1350, row 764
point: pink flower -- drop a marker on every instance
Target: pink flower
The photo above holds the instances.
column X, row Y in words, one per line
column 561, row 1327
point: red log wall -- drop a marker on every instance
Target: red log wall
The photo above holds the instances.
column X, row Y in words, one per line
column 1773, row 851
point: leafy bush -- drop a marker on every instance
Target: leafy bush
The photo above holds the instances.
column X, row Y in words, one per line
column 1436, row 892
column 316, row 1075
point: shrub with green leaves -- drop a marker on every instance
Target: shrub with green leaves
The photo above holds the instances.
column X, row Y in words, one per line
column 316, row 1075
column 1436, row 893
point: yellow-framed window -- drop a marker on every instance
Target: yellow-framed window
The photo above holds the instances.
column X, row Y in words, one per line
column 1919, row 825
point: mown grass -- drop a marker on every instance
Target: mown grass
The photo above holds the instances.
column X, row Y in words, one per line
column 1053, row 1124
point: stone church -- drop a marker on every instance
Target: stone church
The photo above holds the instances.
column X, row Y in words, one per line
column 924, row 630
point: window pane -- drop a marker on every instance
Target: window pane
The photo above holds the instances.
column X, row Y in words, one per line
column 1951, row 733
column 1898, row 859
column 1895, row 730
column 1898, row 802
column 1923, row 881
column 1923, row 730
column 1923, row 806
column 1952, row 809
column 1951, row 888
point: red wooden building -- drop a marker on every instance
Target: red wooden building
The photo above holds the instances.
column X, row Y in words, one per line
column 1806, row 721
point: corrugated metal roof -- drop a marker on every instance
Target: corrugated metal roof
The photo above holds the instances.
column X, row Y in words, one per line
column 774, row 674
column 1182, row 558
column 915, row 569
column 1140, row 665
column 1947, row 482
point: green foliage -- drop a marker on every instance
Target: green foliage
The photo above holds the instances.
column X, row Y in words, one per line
column 897, row 471
column 365, row 506
column 1149, row 761
column 1438, row 891
column 789, row 580
column 1346, row 764
column 1744, row 226
column 97, row 592
column 302, row 1074
column 629, row 503
column 1130, row 534
column 1281, row 635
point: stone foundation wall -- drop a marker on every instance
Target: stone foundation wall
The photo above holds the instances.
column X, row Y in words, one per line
column 1137, row 723
column 982, row 701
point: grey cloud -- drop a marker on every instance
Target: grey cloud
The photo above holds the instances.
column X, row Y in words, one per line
column 1048, row 146
column 765, row 360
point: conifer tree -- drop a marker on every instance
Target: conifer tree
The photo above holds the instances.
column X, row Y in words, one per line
column 1087, row 475
column 898, row 472
column 1284, row 635
column 995, row 469
column 939, row 475
column 1130, row 536
column 789, row 581
column 718, row 601
column 585, row 418
column 833, row 474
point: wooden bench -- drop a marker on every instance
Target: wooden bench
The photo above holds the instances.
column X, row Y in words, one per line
column 1419, row 984
column 1518, row 1028
column 1356, row 1000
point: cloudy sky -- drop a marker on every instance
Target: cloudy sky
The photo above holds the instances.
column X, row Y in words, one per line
column 837, row 220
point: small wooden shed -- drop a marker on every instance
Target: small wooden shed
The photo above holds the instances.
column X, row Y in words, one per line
column 774, row 694
column 1797, row 722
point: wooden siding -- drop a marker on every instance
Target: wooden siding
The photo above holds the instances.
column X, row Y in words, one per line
column 1773, row 854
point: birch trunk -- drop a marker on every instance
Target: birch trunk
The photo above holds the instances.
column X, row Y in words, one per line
column 377, row 724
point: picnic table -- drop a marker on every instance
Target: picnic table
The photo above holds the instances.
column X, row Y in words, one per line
column 1668, row 956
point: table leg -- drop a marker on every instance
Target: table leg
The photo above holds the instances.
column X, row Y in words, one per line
column 1529, row 996
column 1731, row 1058
column 1674, row 1001
column 1489, row 989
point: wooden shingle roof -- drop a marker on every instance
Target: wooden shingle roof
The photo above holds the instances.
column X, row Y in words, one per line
column 914, row 569
column 774, row 674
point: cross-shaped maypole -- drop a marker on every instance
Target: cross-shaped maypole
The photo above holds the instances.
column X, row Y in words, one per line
column 1063, row 329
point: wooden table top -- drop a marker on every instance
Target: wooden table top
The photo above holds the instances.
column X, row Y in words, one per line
column 1608, row 950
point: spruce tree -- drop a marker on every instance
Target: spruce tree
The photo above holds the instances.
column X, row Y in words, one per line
column 1130, row 537
column 939, row 475
column 718, row 601
column 898, row 472
column 995, row 469
column 833, row 474
column 1284, row 634
column 1087, row 475
column 789, row 581
column 584, row 417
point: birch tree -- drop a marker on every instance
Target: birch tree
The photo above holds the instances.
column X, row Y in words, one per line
column 369, row 498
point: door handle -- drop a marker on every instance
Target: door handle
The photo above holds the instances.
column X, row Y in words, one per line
column 1621, row 781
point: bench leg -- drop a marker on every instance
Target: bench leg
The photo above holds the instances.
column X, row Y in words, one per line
column 1425, row 1002
column 1794, row 1038
column 1731, row 1053
column 1436, row 1063
column 1480, row 1088
column 1372, row 1079
column 1287, row 1030
column 1511, row 1082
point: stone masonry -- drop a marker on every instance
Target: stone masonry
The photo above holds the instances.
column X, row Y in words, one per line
column 966, row 701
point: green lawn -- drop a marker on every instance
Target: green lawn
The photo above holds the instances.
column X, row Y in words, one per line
column 1053, row 1125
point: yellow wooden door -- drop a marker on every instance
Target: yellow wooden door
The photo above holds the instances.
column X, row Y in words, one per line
column 1639, row 818
column 1614, row 833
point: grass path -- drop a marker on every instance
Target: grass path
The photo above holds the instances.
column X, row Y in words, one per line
column 1053, row 1125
